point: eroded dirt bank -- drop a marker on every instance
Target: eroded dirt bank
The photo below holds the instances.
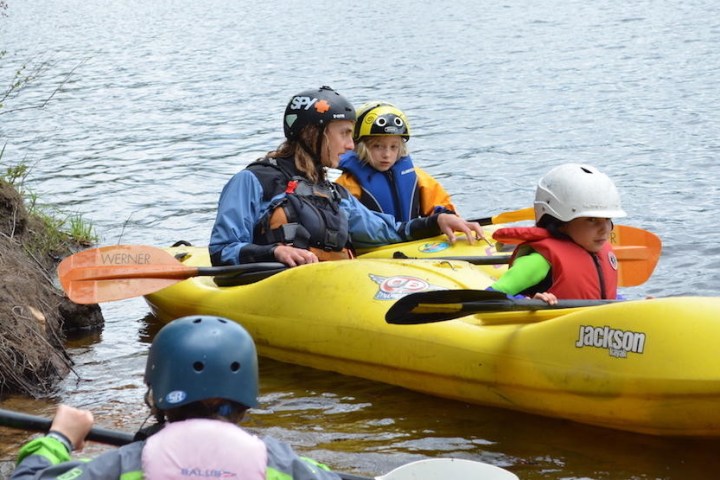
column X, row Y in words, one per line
column 35, row 316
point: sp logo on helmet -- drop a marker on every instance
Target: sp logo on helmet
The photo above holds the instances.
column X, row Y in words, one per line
column 305, row 103
column 176, row 396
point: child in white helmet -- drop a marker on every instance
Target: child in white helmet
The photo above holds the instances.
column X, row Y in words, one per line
column 567, row 255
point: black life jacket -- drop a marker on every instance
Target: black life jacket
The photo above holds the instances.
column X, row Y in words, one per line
column 308, row 216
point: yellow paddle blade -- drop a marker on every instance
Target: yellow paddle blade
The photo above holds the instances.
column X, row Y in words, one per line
column 514, row 216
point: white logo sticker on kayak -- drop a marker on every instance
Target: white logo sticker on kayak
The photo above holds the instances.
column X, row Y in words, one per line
column 618, row 342
column 392, row 288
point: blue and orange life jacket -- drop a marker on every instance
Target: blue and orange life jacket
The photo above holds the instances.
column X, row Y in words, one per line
column 394, row 191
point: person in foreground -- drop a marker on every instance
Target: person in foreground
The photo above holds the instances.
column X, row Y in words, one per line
column 202, row 375
column 568, row 254
column 283, row 208
column 380, row 172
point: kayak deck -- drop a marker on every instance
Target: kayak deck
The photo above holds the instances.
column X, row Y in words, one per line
column 640, row 366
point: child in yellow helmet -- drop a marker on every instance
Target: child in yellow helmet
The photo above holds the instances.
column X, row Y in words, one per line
column 380, row 172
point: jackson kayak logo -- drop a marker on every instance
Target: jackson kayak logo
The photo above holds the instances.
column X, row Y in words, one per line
column 618, row 342
column 392, row 288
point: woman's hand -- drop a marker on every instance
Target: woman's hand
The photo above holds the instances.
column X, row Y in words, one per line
column 292, row 257
column 450, row 223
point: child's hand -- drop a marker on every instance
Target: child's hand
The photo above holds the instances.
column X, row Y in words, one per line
column 73, row 423
column 547, row 297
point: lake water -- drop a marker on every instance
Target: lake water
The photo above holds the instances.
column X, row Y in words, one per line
column 141, row 111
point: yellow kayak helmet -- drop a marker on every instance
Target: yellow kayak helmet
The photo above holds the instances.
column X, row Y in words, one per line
column 380, row 118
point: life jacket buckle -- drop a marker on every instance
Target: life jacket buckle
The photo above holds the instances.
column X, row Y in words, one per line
column 291, row 186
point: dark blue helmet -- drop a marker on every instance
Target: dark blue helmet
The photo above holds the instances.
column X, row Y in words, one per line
column 202, row 357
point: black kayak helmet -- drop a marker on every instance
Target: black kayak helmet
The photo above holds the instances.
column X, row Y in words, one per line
column 318, row 106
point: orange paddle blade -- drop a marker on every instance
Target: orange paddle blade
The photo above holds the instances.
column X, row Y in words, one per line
column 638, row 252
column 109, row 273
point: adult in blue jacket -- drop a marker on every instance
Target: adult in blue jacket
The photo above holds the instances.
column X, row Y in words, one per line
column 283, row 208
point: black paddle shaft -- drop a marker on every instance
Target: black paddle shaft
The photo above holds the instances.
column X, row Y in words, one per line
column 23, row 421
column 441, row 305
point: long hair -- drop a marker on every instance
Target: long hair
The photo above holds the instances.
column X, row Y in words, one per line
column 307, row 158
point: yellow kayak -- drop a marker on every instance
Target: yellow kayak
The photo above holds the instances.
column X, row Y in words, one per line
column 642, row 366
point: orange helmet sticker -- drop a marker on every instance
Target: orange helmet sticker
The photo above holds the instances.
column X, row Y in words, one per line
column 322, row 106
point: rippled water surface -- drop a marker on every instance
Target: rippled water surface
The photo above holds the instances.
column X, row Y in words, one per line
column 141, row 111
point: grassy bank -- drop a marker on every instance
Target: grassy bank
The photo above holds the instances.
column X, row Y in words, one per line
column 60, row 230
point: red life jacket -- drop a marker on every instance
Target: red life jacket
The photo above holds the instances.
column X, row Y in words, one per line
column 575, row 272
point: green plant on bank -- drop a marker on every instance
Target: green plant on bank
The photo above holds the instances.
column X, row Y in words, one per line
column 14, row 175
column 60, row 229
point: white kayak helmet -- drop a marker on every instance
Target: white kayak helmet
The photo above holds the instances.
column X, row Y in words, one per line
column 573, row 190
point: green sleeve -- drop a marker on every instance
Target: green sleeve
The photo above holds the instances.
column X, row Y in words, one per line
column 525, row 272
column 50, row 448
